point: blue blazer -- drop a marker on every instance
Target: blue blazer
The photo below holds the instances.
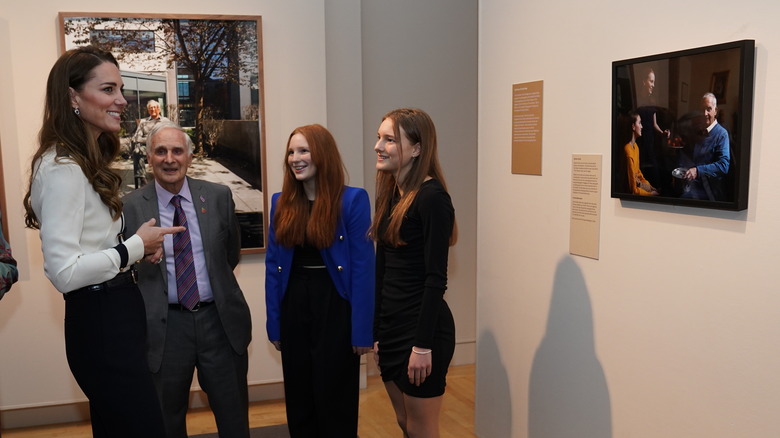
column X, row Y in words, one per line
column 349, row 260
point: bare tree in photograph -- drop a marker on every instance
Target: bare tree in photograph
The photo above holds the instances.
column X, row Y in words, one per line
column 211, row 127
column 206, row 50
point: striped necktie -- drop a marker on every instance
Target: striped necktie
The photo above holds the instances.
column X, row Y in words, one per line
column 186, row 281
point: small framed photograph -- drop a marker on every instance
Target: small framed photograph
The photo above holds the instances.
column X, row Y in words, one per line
column 719, row 86
column 681, row 126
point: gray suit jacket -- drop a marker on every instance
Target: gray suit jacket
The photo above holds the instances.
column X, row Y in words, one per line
column 221, row 244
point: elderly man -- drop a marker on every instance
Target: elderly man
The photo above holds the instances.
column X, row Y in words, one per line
column 711, row 158
column 197, row 316
column 139, row 141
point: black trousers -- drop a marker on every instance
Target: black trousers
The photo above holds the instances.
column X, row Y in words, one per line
column 105, row 342
column 321, row 373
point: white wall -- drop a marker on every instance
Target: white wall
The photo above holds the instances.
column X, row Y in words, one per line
column 33, row 368
column 345, row 83
column 673, row 332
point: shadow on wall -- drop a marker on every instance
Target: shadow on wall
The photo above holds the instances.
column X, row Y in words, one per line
column 493, row 422
column 568, row 395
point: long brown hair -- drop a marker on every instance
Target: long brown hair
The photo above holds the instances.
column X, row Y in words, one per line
column 64, row 129
column 293, row 222
column 419, row 128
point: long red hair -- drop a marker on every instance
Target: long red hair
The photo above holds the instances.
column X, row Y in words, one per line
column 294, row 223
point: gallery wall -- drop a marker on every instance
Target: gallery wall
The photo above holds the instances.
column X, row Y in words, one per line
column 334, row 62
column 673, row 331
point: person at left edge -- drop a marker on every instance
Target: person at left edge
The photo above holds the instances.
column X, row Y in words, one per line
column 213, row 335
column 9, row 274
column 73, row 199
column 319, row 286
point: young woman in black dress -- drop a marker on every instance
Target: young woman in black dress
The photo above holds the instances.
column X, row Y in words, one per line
column 414, row 226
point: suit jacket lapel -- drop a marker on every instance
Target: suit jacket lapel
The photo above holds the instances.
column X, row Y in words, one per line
column 152, row 209
column 200, row 201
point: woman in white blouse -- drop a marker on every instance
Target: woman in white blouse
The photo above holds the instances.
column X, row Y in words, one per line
column 73, row 199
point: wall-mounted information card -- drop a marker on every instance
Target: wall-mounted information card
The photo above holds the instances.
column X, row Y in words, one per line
column 527, row 102
column 585, row 205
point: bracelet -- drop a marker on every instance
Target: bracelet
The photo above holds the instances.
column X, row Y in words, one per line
column 415, row 351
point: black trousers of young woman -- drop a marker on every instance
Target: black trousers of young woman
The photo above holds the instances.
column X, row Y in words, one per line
column 105, row 341
column 321, row 373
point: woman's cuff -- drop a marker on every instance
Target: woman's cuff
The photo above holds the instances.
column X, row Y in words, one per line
column 122, row 250
column 135, row 248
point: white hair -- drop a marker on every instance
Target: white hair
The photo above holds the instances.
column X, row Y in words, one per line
column 710, row 96
column 164, row 125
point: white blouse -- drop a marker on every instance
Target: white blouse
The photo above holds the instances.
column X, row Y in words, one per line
column 78, row 234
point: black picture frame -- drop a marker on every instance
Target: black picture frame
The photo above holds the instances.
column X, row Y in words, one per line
column 674, row 135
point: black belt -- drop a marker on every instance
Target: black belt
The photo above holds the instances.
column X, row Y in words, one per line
column 121, row 279
column 200, row 305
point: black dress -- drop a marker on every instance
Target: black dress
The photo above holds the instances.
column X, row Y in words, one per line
column 411, row 280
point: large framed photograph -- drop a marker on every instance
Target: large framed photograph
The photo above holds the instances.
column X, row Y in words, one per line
column 681, row 126
column 204, row 72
